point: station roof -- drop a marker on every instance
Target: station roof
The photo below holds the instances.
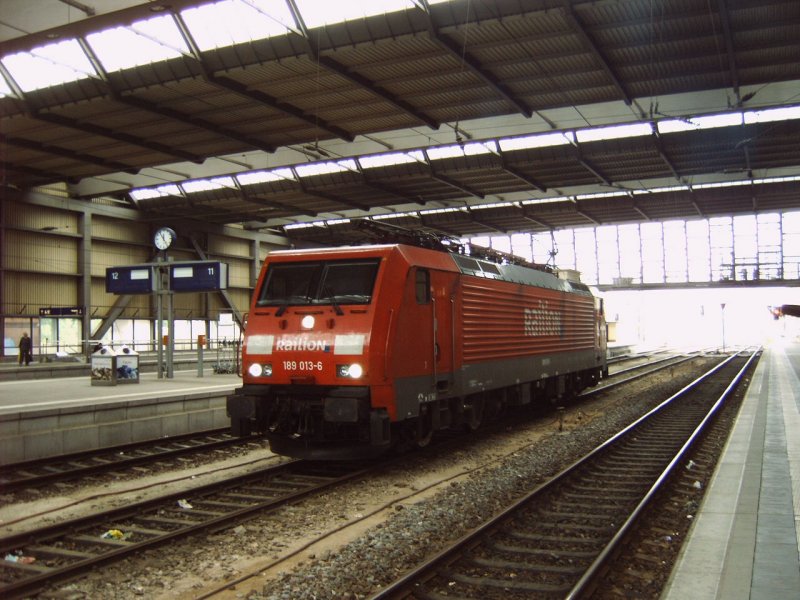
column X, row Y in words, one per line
column 464, row 117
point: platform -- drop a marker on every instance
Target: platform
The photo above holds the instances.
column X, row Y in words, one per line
column 745, row 541
column 63, row 415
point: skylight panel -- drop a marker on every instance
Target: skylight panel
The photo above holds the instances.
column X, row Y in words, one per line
column 596, row 134
column 233, row 22
column 391, row 159
column 470, row 149
column 494, row 205
column 695, row 123
column 144, row 42
column 659, row 190
column 49, row 65
column 4, row 89
column 445, row 152
column 264, row 176
column 399, row 215
column 600, row 195
column 543, row 200
column 539, row 140
column 722, row 184
column 204, row 185
column 324, row 168
column 317, row 13
column 310, row 224
column 159, row 192
column 440, row 211
column 772, row 114
column 786, row 178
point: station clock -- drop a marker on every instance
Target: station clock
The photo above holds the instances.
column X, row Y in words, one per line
column 164, row 238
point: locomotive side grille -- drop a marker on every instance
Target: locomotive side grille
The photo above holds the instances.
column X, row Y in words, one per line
column 502, row 320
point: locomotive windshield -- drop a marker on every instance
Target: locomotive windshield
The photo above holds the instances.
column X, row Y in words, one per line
column 319, row 282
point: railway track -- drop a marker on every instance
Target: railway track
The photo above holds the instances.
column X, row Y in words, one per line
column 71, row 547
column 66, row 550
column 556, row 541
column 37, row 473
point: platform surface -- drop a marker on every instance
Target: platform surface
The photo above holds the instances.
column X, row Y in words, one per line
column 745, row 542
column 66, row 392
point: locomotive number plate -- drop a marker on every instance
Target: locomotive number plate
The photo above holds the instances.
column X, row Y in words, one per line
column 302, row 365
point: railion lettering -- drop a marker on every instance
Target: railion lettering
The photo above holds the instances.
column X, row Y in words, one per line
column 300, row 344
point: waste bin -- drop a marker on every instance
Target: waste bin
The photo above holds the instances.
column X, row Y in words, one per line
column 127, row 366
column 104, row 366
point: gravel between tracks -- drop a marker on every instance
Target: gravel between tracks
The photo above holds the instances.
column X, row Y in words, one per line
column 355, row 539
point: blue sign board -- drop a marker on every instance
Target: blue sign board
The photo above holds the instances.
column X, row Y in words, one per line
column 129, row 280
column 205, row 276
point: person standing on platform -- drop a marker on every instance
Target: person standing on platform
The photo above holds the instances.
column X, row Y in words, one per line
column 25, row 349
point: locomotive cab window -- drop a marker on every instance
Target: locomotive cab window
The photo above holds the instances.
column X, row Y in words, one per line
column 319, row 283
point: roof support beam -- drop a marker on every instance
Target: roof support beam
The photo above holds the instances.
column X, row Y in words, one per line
column 659, row 144
column 725, row 21
column 253, row 95
column 326, row 196
column 522, row 176
column 67, row 153
column 591, row 168
column 335, row 67
column 45, row 176
column 466, row 59
column 637, row 208
column 126, row 138
column 486, row 224
column 535, row 220
column 459, row 186
column 63, row 121
column 451, row 182
column 260, row 201
column 694, row 201
column 580, row 30
column 163, row 111
column 583, row 213
column 386, row 189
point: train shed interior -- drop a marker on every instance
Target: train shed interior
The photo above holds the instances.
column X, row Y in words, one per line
column 652, row 148
column 153, row 153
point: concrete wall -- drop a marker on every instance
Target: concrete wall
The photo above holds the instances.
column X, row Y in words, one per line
column 53, row 432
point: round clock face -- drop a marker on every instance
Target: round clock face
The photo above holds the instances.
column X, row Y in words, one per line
column 163, row 238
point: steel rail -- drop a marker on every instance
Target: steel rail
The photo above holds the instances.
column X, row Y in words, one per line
column 437, row 566
column 642, row 372
column 592, row 573
column 65, row 550
column 38, row 472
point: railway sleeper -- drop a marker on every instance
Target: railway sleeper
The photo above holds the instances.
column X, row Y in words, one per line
column 481, row 583
column 508, row 564
column 546, row 552
column 52, row 552
column 604, row 529
column 538, row 537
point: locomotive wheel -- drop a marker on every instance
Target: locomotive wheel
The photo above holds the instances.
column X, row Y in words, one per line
column 473, row 413
column 423, row 439
column 424, row 432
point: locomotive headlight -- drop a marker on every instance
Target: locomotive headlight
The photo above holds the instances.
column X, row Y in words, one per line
column 259, row 370
column 307, row 322
column 353, row 371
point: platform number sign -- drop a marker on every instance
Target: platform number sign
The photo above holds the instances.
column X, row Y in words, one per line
column 129, row 280
column 205, row 276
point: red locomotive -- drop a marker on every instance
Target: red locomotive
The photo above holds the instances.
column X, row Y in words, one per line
column 350, row 351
